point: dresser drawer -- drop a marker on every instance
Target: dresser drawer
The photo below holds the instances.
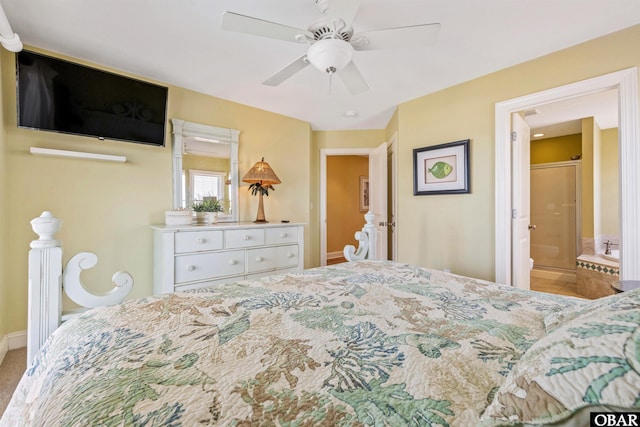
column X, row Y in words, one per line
column 197, row 241
column 281, row 235
column 194, row 267
column 272, row 258
column 244, row 238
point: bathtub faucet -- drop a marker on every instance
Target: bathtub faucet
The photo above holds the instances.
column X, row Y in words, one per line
column 608, row 245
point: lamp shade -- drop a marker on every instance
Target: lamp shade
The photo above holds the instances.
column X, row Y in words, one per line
column 261, row 172
column 330, row 55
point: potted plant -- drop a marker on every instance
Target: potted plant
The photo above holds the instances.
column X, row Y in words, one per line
column 207, row 210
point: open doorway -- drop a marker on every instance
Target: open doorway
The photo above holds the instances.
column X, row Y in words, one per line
column 625, row 82
column 566, row 137
column 361, row 188
column 347, row 201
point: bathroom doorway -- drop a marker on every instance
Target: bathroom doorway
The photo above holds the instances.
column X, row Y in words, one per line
column 625, row 82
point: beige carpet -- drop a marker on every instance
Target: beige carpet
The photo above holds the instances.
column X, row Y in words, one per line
column 11, row 370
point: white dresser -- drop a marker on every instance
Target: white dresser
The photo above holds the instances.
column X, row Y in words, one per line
column 193, row 256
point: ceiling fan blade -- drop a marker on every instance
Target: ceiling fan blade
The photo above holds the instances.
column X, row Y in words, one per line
column 340, row 9
column 396, row 38
column 288, row 71
column 352, row 79
column 258, row 27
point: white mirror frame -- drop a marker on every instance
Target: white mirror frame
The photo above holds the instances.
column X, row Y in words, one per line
column 182, row 130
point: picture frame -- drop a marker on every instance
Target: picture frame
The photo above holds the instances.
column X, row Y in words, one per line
column 364, row 193
column 441, row 169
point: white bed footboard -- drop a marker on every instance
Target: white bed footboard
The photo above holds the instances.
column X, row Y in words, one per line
column 367, row 241
column 47, row 281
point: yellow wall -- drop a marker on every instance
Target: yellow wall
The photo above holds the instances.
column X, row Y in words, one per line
column 107, row 208
column 344, row 217
column 204, row 163
column 348, row 138
column 5, row 303
column 609, row 183
column 458, row 231
column 589, row 177
column 392, row 127
column 558, row 149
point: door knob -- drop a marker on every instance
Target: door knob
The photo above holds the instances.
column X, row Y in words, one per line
column 386, row 224
column 532, row 227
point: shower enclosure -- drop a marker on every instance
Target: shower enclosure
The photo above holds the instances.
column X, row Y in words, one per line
column 554, row 210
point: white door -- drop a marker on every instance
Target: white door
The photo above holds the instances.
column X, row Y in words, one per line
column 378, row 196
column 520, row 208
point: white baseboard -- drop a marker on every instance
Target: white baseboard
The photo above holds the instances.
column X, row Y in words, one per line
column 334, row 255
column 12, row 341
column 4, row 348
column 17, row 339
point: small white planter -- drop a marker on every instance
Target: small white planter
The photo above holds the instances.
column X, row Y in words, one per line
column 210, row 217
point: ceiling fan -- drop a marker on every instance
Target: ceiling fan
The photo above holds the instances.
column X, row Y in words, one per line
column 332, row 41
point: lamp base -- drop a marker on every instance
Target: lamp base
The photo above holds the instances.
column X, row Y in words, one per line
column 260, row 219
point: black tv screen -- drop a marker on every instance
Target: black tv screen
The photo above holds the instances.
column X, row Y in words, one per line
column 61, row 96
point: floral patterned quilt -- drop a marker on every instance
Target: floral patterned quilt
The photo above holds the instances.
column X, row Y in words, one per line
column 359, row 343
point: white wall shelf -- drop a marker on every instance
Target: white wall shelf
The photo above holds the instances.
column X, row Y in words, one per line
column 76, row 154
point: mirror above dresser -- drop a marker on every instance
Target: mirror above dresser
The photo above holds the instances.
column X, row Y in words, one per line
column 205, row 164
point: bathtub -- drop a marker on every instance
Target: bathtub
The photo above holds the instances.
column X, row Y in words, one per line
column 596, row 273
column 614, row 256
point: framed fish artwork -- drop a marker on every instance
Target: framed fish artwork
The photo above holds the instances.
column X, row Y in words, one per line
column 441, row 169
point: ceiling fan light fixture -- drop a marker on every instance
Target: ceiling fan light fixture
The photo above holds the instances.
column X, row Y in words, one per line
column 330, row 55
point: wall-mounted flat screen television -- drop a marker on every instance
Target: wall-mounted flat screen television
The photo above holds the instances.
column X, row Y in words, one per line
column 61, row 96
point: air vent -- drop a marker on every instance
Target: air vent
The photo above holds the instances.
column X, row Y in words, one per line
column 322, row 32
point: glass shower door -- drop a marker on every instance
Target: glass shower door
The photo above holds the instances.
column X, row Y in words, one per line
column 553, row 211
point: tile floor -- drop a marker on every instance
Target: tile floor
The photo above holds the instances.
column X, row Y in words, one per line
column 554, row 287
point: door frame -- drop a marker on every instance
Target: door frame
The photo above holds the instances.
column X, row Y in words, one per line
column 392, row 150
column 324, row 153
column 626, row 83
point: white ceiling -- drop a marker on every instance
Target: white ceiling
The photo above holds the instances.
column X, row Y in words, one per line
column 179, row 42
column 565, row 117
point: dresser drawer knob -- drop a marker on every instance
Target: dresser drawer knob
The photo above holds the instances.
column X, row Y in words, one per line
column 201, row 240
column 259, row 259
column 290, row 255
column 283, row 235
column 232, row 262
column 191, row 267
column 247, row 237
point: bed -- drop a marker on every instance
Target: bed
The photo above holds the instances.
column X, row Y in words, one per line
column 360, row 343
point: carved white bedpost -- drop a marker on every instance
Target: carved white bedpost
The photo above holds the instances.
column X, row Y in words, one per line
column 367, row 241
column 45, row 283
